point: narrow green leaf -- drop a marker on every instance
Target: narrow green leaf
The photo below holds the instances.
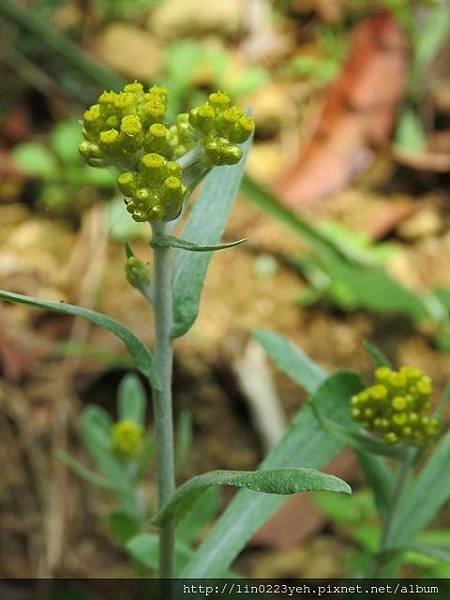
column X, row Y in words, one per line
column 426, row 495
column 83, row 472
column 305, row 444
column 144, row 547
column 96, row 433
column 436, row 551
column 379, row 358
column 268, row 481
column 380, row 480
column 174, row 242
column 291, row 360
column 205, row 226
column 131, row 400
column 138, row 350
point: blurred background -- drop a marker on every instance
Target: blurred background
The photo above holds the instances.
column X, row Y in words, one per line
column 351, row 100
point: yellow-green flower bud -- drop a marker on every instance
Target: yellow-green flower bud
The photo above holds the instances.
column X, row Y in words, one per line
column 202, row 118
column 160, row 93
column 242, row 130
column 127, row 183
column 137, row 273
column 172, row 197
column 131, row 125
column 110, row 140
column 153, row 168
column 397, row 406
column 226, row 121
column 219, row 100
column 127, row 439
column 134, row 88
column 154, row 111
column 156, row 138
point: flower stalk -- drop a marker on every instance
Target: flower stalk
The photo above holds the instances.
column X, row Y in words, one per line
column 162, row 393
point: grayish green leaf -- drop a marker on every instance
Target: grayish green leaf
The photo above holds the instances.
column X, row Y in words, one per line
column 268, row 481
column 380, row 480
column 426, row 495
column 131, row 400
column 173, row 242
column 205, row 226
column 138, row 350
column 305, row 444
column 291, row 360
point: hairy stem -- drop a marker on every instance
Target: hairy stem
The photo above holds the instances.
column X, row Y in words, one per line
column 386, row 539
column 162, row 392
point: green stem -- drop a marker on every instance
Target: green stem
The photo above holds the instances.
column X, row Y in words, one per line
column 386, row 539
column 162, row 393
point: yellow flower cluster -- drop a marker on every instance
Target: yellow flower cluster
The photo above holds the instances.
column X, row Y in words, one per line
column 127, row 438
column 127, row 130
column 397, row 407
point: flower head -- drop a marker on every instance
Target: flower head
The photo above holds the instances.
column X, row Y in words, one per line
column 397, row 407
column 127, row 438
column 127, row 130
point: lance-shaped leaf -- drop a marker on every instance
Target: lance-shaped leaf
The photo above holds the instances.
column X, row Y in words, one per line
column 305, row 444
column 436, row 551
column 131, row 400
column 378, row 358
column 380, row 479
column 291, row 360
column 205, row 226
column 426, row 495
column 269, row 481
column 174, row 242
column 138, row 350
column 84, row 473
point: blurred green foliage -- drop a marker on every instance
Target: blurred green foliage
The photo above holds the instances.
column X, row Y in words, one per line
column 66, row 184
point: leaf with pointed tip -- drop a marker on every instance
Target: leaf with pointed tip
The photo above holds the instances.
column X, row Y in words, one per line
column 83, row 472
column 380, row 479
column 378, row 358
column 131, row 400
column 205, row 226
column 173, row 242
column 424, row 498
column 305, row 444
column 138, row 350
column 437, row 551
column 291, row 360
column 268, row 481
